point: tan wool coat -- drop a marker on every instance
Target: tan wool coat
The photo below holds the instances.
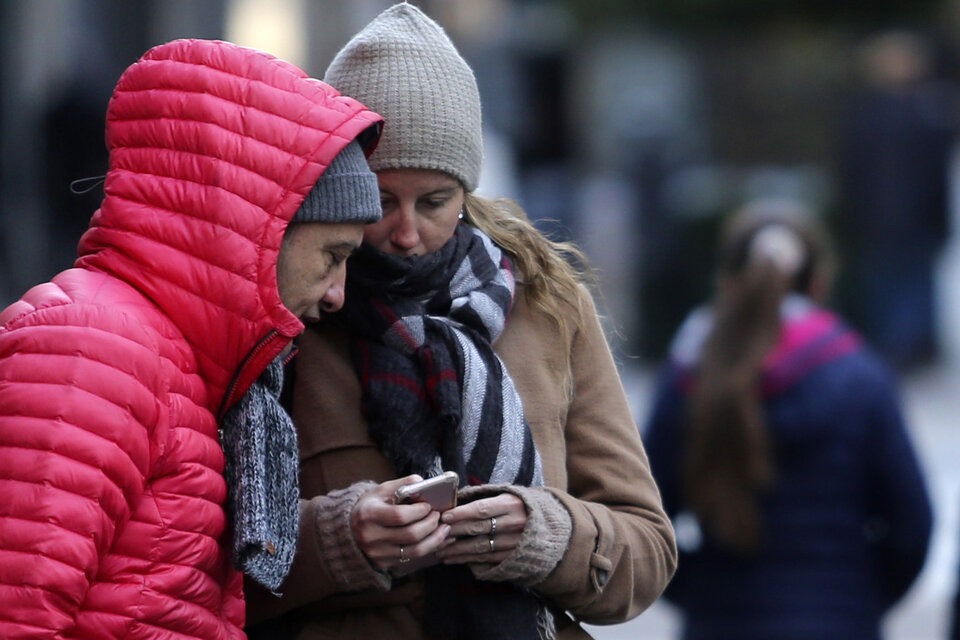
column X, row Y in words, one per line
column 621, row 552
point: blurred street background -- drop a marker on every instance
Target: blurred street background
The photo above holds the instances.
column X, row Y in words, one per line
column 628, row 126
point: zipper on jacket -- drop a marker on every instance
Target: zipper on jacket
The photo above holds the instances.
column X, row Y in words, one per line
column 254, row 359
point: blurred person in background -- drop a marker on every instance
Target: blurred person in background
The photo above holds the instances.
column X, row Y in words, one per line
column 778, row 441
column 468, row 343
column 237, row 188
column 897, row 138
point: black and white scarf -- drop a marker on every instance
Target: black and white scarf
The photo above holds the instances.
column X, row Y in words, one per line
column 262, row 472
column 437, row 397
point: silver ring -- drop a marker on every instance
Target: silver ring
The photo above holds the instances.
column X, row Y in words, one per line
column 493, row 527
column 403, row 558
column 492, row 544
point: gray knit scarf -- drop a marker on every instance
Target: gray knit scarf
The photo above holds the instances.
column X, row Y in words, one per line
column 436, row 396
column 262, row 469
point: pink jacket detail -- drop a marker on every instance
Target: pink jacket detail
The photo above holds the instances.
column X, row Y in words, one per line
column 113, row 374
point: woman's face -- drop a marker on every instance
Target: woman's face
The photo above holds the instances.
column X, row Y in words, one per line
column 421, row 209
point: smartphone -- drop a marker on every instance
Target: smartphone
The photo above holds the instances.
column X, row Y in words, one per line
column 439, row 491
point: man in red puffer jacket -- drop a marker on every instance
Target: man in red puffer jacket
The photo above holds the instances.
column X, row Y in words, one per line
column 237, row 188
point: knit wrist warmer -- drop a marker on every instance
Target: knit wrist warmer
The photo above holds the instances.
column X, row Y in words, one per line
column 348, row 566
column 543, row 542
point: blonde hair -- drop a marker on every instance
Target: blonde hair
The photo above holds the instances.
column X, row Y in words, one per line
column 551, row 271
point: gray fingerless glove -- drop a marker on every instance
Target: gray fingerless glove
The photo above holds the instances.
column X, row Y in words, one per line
column 543, row 542
column 347, row 564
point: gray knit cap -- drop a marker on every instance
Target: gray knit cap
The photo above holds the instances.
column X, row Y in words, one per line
column 404, row 66
column 346, row 192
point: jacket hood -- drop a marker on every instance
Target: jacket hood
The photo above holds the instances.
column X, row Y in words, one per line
column 213, row 147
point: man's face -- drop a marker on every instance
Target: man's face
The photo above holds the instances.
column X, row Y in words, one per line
column 311, row 269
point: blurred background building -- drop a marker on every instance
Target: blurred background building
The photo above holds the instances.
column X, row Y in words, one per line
column 629, row 126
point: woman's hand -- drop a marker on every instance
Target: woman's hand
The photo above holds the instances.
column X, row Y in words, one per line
column 486, row 530
column 392, row 534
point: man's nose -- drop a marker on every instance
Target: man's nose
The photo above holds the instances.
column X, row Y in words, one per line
column 335, row 294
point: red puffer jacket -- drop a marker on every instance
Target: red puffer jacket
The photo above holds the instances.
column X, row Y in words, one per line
column 113, row 375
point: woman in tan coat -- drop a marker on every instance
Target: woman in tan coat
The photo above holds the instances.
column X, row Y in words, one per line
column 467, row 343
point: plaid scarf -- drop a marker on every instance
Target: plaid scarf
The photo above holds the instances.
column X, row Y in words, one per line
column 437, row 397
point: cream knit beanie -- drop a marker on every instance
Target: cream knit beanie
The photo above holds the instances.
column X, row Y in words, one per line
column 404, row 66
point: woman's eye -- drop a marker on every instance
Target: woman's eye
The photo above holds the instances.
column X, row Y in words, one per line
column 434, row 203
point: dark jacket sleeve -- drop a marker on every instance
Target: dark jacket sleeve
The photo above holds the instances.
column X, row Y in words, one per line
column 662, row 433
column 900, row 504
column 662, row 436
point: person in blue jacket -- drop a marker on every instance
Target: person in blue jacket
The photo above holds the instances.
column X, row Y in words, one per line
column 778, row 441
